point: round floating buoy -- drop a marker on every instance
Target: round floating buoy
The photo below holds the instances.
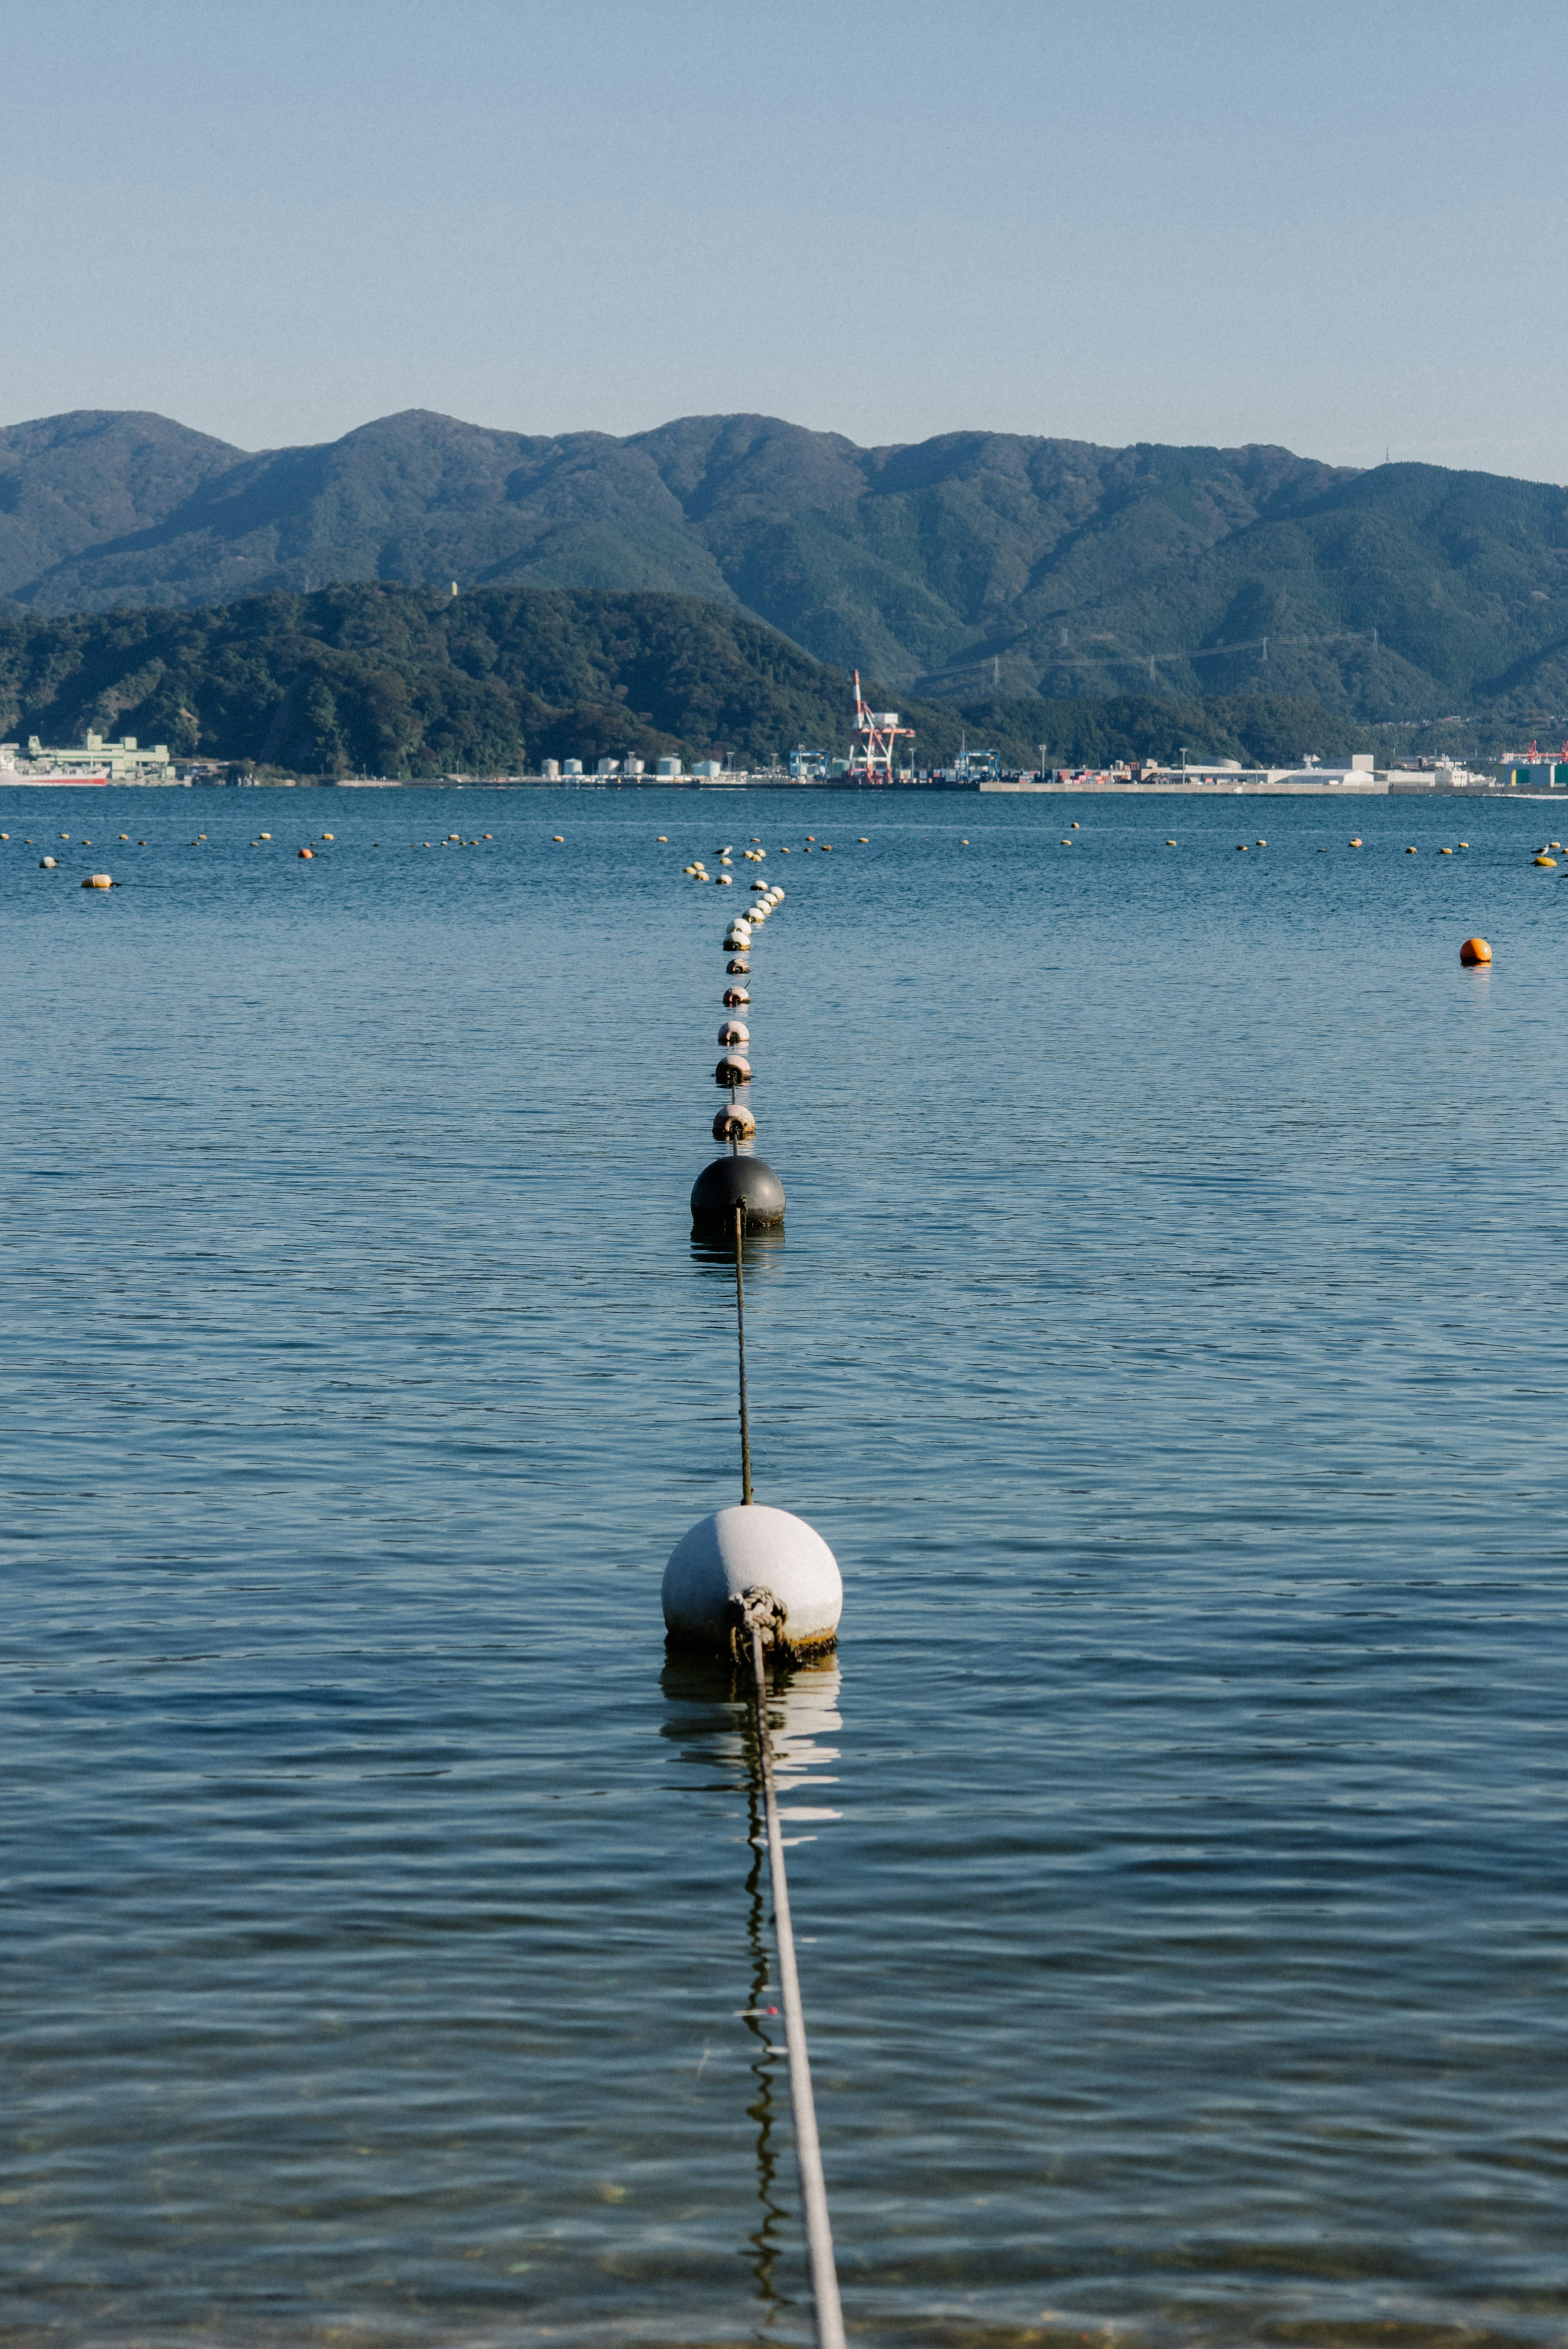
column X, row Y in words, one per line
column 1475, row 950
column 1410, row 851
column 735, row 1124
column 559, row 837
column 98, row 881
column 733, row 945
column 1547, row 860
column 734, row 996
column 1241, row 847
column 1263, row 843
column 760, row 886
column 307, row 851
column 725, row 1183
column 738, row 970
column 46, row 864
column 734, row 1069
column 1171, row 844
column 1445, row 852
column 748, row 1547
column 723, row 880
column 1356, row 844
column 734, row 1031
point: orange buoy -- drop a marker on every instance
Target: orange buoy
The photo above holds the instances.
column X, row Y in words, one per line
column 307, row 851
column 1475, row 950
column 1547, row 860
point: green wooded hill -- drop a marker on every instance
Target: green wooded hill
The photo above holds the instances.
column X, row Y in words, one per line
column 974, row 562
column 406, row 681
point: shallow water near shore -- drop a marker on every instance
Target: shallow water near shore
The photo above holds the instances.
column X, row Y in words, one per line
column 1167, row 1336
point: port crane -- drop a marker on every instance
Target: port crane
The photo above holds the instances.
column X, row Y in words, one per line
column 873, row 757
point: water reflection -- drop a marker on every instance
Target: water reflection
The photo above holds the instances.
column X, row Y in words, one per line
column 760, row 1250
column 711, row 1719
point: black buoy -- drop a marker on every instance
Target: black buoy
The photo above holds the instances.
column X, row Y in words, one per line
column 726, row 1183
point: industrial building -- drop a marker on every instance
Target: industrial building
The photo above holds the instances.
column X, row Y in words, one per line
column 123, row 761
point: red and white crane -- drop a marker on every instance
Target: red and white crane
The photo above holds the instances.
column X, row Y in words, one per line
column 873, row 757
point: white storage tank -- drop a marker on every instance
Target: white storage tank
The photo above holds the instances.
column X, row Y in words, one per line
column 669, row 769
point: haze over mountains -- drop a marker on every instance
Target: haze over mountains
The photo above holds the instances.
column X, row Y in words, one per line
column 972, row 564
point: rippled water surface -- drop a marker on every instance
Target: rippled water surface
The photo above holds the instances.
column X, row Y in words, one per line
column 1168, row 1337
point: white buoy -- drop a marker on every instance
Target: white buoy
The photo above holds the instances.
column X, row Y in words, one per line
column 734, row 1031
column 744, row 1549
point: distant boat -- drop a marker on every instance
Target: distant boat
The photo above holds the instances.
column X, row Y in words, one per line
column 61, row 775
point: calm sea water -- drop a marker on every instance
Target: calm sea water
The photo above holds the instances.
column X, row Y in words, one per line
column 1168, row 1337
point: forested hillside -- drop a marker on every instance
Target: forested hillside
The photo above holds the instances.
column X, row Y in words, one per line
column 976, row 562
column 403, row 681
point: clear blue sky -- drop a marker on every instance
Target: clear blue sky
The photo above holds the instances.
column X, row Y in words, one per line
column 1338, row 225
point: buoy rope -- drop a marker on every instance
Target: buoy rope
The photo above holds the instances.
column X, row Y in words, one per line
column 741, row 1340
column 762, row 1611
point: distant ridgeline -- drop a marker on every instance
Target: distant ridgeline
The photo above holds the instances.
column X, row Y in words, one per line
column 974, row 564
column 406, row 681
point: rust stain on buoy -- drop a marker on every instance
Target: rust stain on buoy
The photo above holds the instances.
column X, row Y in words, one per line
column 1475, row 950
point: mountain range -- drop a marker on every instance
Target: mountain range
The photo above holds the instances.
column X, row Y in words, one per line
column 976, row 564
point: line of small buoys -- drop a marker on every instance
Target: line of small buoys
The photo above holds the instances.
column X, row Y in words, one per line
column 746, row 1181
column 752, row 1581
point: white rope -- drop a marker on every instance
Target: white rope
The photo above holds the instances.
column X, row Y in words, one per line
column 760, row 1611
